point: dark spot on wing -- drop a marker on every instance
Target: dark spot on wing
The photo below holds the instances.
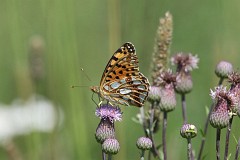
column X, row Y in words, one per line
column 117, row 77
column 109, row 76
column 114, row 58
column 118, row 65
column 120, row 72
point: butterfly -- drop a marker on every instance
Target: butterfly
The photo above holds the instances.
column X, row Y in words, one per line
column 121, row 82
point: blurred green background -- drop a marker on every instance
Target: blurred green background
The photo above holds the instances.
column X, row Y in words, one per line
column 84, row 34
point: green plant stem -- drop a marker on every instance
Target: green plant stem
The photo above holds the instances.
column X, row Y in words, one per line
column 237, row 150
column 218, row 136
column 184, row 108
column 154, row 149
column 164, row 135
column 227, row 138
column 204, row 133
column 142, row 155
column 206, row 126
column 109, row 157
column 103, row 155
column 189, row 149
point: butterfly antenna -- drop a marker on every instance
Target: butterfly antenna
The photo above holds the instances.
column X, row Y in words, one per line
column 78, row 86
column 86, row 74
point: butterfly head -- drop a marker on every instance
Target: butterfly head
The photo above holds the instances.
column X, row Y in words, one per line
column 95, row 89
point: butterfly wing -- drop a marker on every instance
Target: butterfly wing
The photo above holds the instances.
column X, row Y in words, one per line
column 121, row 81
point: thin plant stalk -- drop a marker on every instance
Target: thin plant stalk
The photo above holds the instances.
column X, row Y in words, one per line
column 227, row 138
column 237, row 150
column 164, row 135
column 184, row 108
column 142, row 155
column 205, row 132
column 142, row 112
column 103, row 155
column 189, row 149
column 218, row 136
column 109, row 157
column 206, row 126
column 154, row 149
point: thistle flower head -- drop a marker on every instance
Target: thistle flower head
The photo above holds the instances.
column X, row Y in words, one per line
column 223, row 68
column 154, row 94
column 107, row 111
column 166, row 78
column 183, row 83
column 234, row 79
column 185, row 62
column 188, row 131
column 168, row 98
column 104, row 130
column 111, row 146
column 224, row 103
column 222, row 94
column 144, row 143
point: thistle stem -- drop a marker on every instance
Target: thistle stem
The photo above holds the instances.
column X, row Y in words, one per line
column 227, row 138
column 103, row 155
column 206, row 125
column 218, row 136
column 205, row 132
column 109, row 156
column 189, row 149
column 142, row 155
column 184, row 108
column 237, row 150
column 154, row 149
column 164, row 135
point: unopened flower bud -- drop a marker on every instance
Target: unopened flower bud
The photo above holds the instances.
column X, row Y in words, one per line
column 188, row 131
column 144, row 143
column 110, row 146
column 223, row 69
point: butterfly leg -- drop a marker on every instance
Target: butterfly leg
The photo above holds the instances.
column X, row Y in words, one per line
column 94, row 100
column 99, row 104
column 109, row 103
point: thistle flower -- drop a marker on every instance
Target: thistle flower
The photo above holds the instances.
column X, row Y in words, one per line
column 185, row 63
column 223, row 68
column 108, row 115
column 110, row 146
column 224, row 101
column 168, row 98
column 144, row 143
column 188, row 131
column 161, row 48
column 154, row 94
column 107, row 111
column 234, row 79
column 104, row 130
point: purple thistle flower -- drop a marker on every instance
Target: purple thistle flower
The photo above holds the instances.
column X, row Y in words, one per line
column 107, row 111
column 224, row 102
column 234, row 79
column 185, row 62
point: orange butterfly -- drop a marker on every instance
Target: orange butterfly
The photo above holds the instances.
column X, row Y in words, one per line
column 121, row 81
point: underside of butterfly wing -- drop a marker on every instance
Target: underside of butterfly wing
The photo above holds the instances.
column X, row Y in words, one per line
column 121, row 81
column 128, row 91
